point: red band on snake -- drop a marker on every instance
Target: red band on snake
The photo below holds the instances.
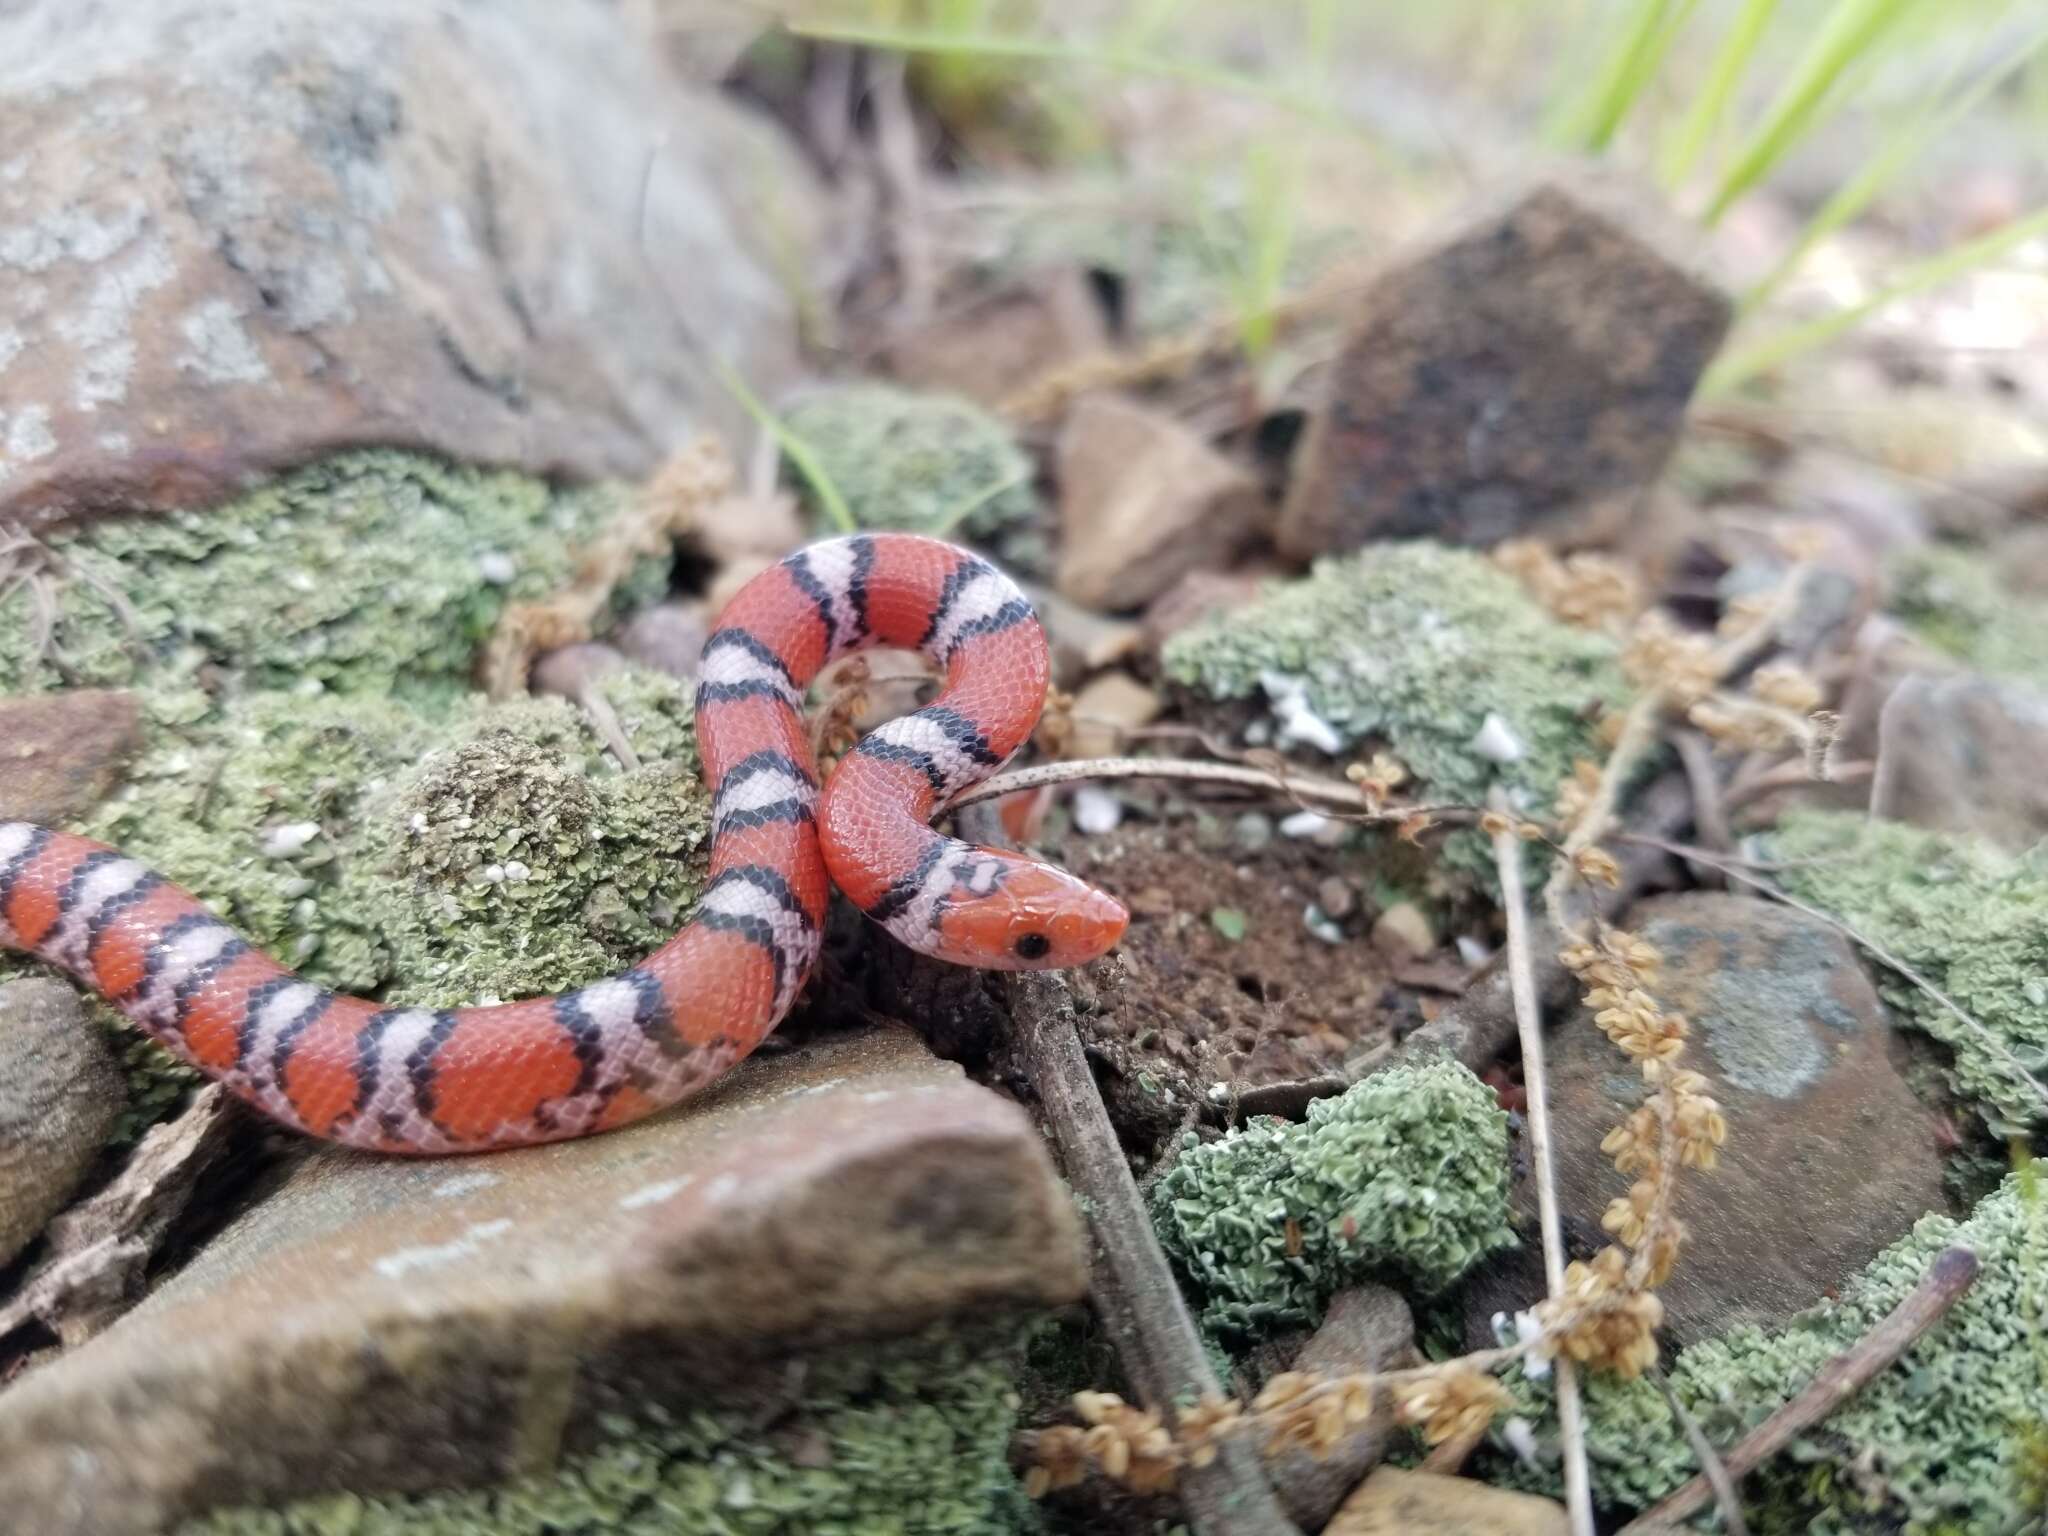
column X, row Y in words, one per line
column 430, row 1081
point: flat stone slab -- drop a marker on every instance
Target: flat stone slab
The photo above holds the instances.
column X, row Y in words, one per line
column 399, row 1325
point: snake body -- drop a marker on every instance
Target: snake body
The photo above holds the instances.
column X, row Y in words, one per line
column 431, row 1081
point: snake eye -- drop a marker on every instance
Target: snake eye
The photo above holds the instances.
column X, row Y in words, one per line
column 1032, row 946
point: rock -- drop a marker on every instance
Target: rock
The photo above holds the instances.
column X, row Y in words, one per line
column 1525, row 374
column 1143, row 501
column 394, row 1324
column 1829, row 1157
column 668, row 637
column 748, row 528
column 1964, row 753
column 1395, row 1502
column 1337, row 896
column 1403, row 929
column 60, row 1094
column 61, row 753
column 1106, row 709
column 1366, row 1330
column 1083, row 641
column 1195, row 598
column 234, row 237
column 997, row 342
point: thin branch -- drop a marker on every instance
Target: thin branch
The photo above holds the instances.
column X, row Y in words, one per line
column 1339, row 794
column 1883, row 956
column 1507, row 853
column 1953, row 1272
column 1712, row 1468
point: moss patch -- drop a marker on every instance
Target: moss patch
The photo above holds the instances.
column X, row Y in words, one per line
column 1416, row 646
column 907, row 1441
column 1970, row 918
column 1406, row 1173
column 1953, row 598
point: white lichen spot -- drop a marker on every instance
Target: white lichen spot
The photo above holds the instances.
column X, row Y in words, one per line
column 418, row 824
column 456, row 238
column 283, row 841
column 494, row 874
column 722, row 1187
column 395, row 1266
column 517, row 873
column 27, row 437
column 654, row 1194
column 116, row 443
column 217, row 348
column 496, row 567
column 13, row 170
column 1497, row 742
column 465, row 1184
column 11, row 346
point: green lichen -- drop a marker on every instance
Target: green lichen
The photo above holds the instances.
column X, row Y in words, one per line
column 1415, row 645
column 374, row 571
column 1953, row 598
column 909, row 1441
column 1407, row 1173
column 1939, row 1443
column 925, row 463
column 1968, row 917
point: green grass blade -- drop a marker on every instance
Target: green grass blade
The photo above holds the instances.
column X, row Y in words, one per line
column 1848, row 37
column 799, row 452
column 1639, row 50
column 1737, row 368
column 1724, row 77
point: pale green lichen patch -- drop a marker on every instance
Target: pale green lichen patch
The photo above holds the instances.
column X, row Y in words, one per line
column 1405, row 1174
column 1434, row 652
column 907, row 1442
column 1939, row 1442
column 374, row 571
column 1953, row 598
column 924, row 463
column 1970, row 918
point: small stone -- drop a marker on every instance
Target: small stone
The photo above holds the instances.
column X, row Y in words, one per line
column 1526, row 374
column 572, row 671
column 1096, row 810
column 668, row 637
column 995, row 343
column 1143, row 501
column 1403, row 929
column 1366, row 1330
column 1964, row 753
column 61, row 1092
column 497, row 567
column 1252, row 831
column 63, row 753
column 284, row 841
column 1497, row 742
column 748, row 528
column 1337, row 896
column 1315, row 827
column 399, row 1317
column 1108, row 707
column 1321, row 924
column 1397, row 1502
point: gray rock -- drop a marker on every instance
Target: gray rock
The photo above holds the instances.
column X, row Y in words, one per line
column 392, row 1324
column 1964, row 753
column 235, row 236
column 1526, row 373
column 60, row 1093
column 1366, row 1330
column 1829, row 1158
column 61, row 753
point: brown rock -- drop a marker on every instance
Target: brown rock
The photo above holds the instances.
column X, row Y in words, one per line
column 1143, row 501
column 669, row 637
column 398, row 1323
column 1394, row 1502
column 234, row 236
column 62, row 753
column 995, row 343
column 1366, row 1331
column 1403, row 929
column 60, row 1093
column 1829, row 1157
column 748, row 528
column 1106, row 709
column 1196, row 597
column 1083, row 641
column 1964, row 753
column 1526, row 373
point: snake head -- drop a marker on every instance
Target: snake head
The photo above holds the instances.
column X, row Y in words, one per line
column 1016, row 914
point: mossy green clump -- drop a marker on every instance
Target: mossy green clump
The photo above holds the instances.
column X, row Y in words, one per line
column 1420, row 647
column 1953, row 599
column 1405, row 1174
column 1939, row 1443
column 912, row 1441
column 374, row 571
column 924, row 463
column 1970, row 918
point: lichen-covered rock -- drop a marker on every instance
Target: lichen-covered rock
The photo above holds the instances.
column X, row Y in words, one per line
column 1963, row 753
column 905, row 1439
column 234, row 237
column 1957, row 601
column 393, row 1325
column 924, row 463
column 59, row 755
column 1433, row 651
column 60, row 1096
column 1942, row 1441
column 1971, row 919
column 369, row 572
column 1525, row 373
column 1406, row 1172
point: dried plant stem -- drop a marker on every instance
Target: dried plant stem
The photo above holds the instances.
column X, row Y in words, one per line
column 1712, row 1468
column 1338, row 794
column 1953, row 1272
column 1638, row 735
column 1507, row 852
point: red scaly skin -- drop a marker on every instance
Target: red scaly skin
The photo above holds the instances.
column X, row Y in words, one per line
column 431, row 1081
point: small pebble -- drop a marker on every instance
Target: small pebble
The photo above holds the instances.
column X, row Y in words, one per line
column 1096, row 810
column 1403, row 929
column 1311, row 824
column 1336, row 897
column 1473, row 952
column 1253, row 831
column 496, row 567
column 1321, row 925
column 282, row 842
column 1497, row 741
